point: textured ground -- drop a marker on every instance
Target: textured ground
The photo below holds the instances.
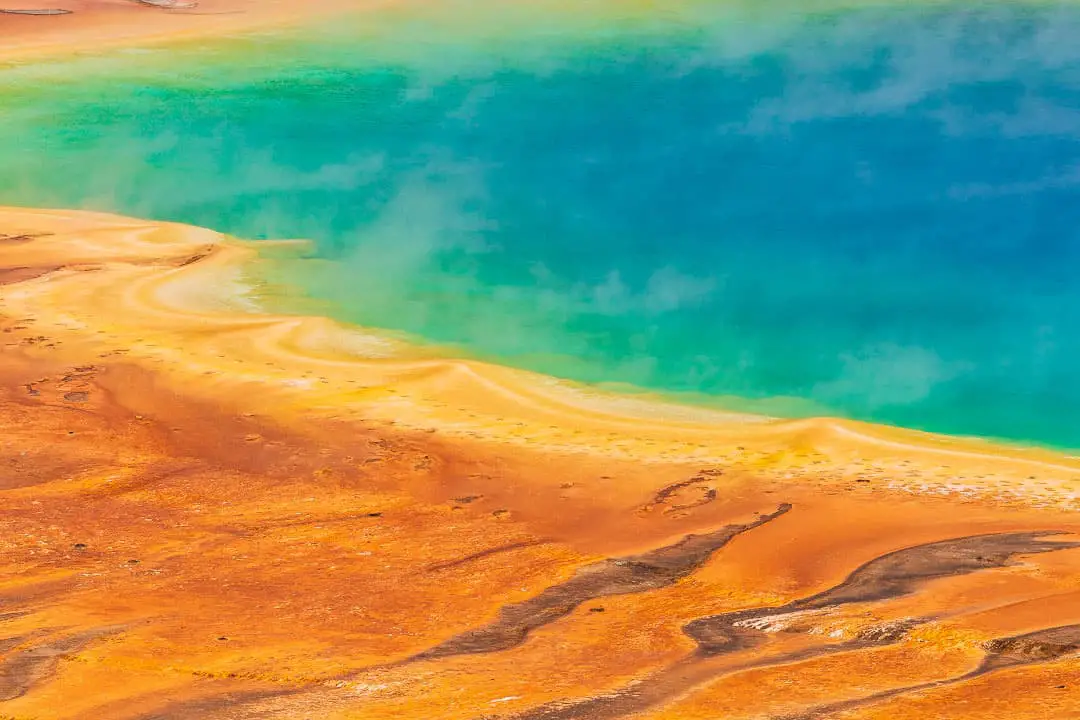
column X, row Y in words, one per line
column 210, row 513
column 91, row 25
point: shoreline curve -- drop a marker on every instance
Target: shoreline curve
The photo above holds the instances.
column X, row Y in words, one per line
column 187, row 310
column 211, row 510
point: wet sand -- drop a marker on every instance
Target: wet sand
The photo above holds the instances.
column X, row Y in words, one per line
column 210, row 511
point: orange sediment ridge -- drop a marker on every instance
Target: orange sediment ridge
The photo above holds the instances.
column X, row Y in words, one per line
column 210, row 510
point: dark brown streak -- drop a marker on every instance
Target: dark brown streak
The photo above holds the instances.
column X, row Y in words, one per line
column 12, row 275
column 20, row 238
column 664, row 495
column 484, row 554
column 207, row 251
column 889, row 576
column 615, row 576
column 1017, row 651
column 694, row 670
column 21, row 670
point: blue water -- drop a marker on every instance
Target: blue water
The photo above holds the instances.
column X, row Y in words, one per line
column 868, row 213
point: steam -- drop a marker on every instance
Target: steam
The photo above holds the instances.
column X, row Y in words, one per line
column 371, row 151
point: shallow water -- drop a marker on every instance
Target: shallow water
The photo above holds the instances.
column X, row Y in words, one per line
column 867, row 212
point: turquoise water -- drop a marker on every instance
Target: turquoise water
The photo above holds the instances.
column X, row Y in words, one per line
column 873, row 213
